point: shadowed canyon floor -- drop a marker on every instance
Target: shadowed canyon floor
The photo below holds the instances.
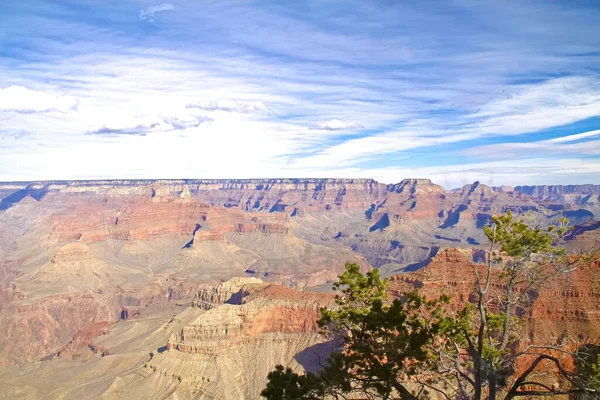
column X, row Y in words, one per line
column 122, row 289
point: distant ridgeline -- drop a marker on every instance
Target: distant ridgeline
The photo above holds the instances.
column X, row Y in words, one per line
column 281, row 194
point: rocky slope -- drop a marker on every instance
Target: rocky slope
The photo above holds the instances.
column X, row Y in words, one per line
column 223, row 345
column 566, row 309
column 74, row 258
column 563, row 193
column 222, row 353
column 75, row 254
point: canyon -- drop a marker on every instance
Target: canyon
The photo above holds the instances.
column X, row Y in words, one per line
column 196, row 288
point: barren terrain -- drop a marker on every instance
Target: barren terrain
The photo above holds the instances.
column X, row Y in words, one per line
column 124, row 289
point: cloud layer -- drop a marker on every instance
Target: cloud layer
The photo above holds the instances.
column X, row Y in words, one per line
column 150, row 12
column 229, row 106
column 22, row 100
column 337, row 125
column 239, row 90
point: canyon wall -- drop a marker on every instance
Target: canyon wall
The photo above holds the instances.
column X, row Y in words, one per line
column 79, row 253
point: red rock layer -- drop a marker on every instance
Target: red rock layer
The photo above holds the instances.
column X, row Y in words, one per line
column 83, row 342
column 30, row 332
column 567, row 308
column 266, row 309
column 568, row 303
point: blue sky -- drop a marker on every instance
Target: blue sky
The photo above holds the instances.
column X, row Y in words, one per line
column 456, row 91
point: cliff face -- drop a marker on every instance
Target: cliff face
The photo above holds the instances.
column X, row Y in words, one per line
column 232, row 291
column 548, row 192
column 224, row 345
column 81, row 254
column 409, row 199
column 44, row 327
column 267, row 326
column 247, row 194
column 114, row 247
column 565, row 310
column 567, row 307
column 225, row 352
column 584, row 237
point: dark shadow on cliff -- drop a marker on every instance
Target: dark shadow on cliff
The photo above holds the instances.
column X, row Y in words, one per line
column 383, row 223
column 314, row 357
column 278, row 207
column 440, row 237
column 473, row 241
column 453, row 217
column 162, row 349
column 415, row 266
column 369, row 212
column 482, row 220
column 418, row 265
column 590, row 225
column 578, row 216
column 11, row 200
column 191, row 242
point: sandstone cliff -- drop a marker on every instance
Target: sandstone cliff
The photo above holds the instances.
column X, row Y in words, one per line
column 567, row 308
column 115, row 247
column 558, row 192
column 223, row 346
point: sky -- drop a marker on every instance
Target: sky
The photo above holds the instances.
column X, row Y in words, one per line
column 504, row 92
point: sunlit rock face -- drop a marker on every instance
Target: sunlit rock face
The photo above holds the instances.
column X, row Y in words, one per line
column 82, row 253
column 566, row 309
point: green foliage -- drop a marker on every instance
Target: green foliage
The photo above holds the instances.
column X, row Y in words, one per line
column 358, row 294
column 384, row 342
column 284, row 384
column 523, row 256
column 587, row 362
column 517, row 238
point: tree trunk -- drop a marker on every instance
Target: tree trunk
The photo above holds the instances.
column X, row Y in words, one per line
column 508, row 309
column 492, row 382
column 477, row 388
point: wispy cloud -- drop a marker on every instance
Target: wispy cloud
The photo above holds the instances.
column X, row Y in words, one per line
column 573, row 138
column 316, row 91
column 229, row 106
column 533, row 107
column 164, row 125
column 337, row 125
column 150, row 12
column 562, row 145
column 136, row 130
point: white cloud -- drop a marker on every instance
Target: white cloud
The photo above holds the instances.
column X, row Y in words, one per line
column 159, row 101
column 162, row 125
column 23, row 100
column 536, row 170
column 560, row 145
column 573, row 138
column 229, row 106
column 355, row 151
column 338, row 125
column 150, row 12
column 305, row 70
column 533, row 107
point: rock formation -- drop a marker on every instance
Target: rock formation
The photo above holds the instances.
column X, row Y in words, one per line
column 232, row 291
column 75, row 255
column 563, row 193
column 568, row 306
column 235, row 332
